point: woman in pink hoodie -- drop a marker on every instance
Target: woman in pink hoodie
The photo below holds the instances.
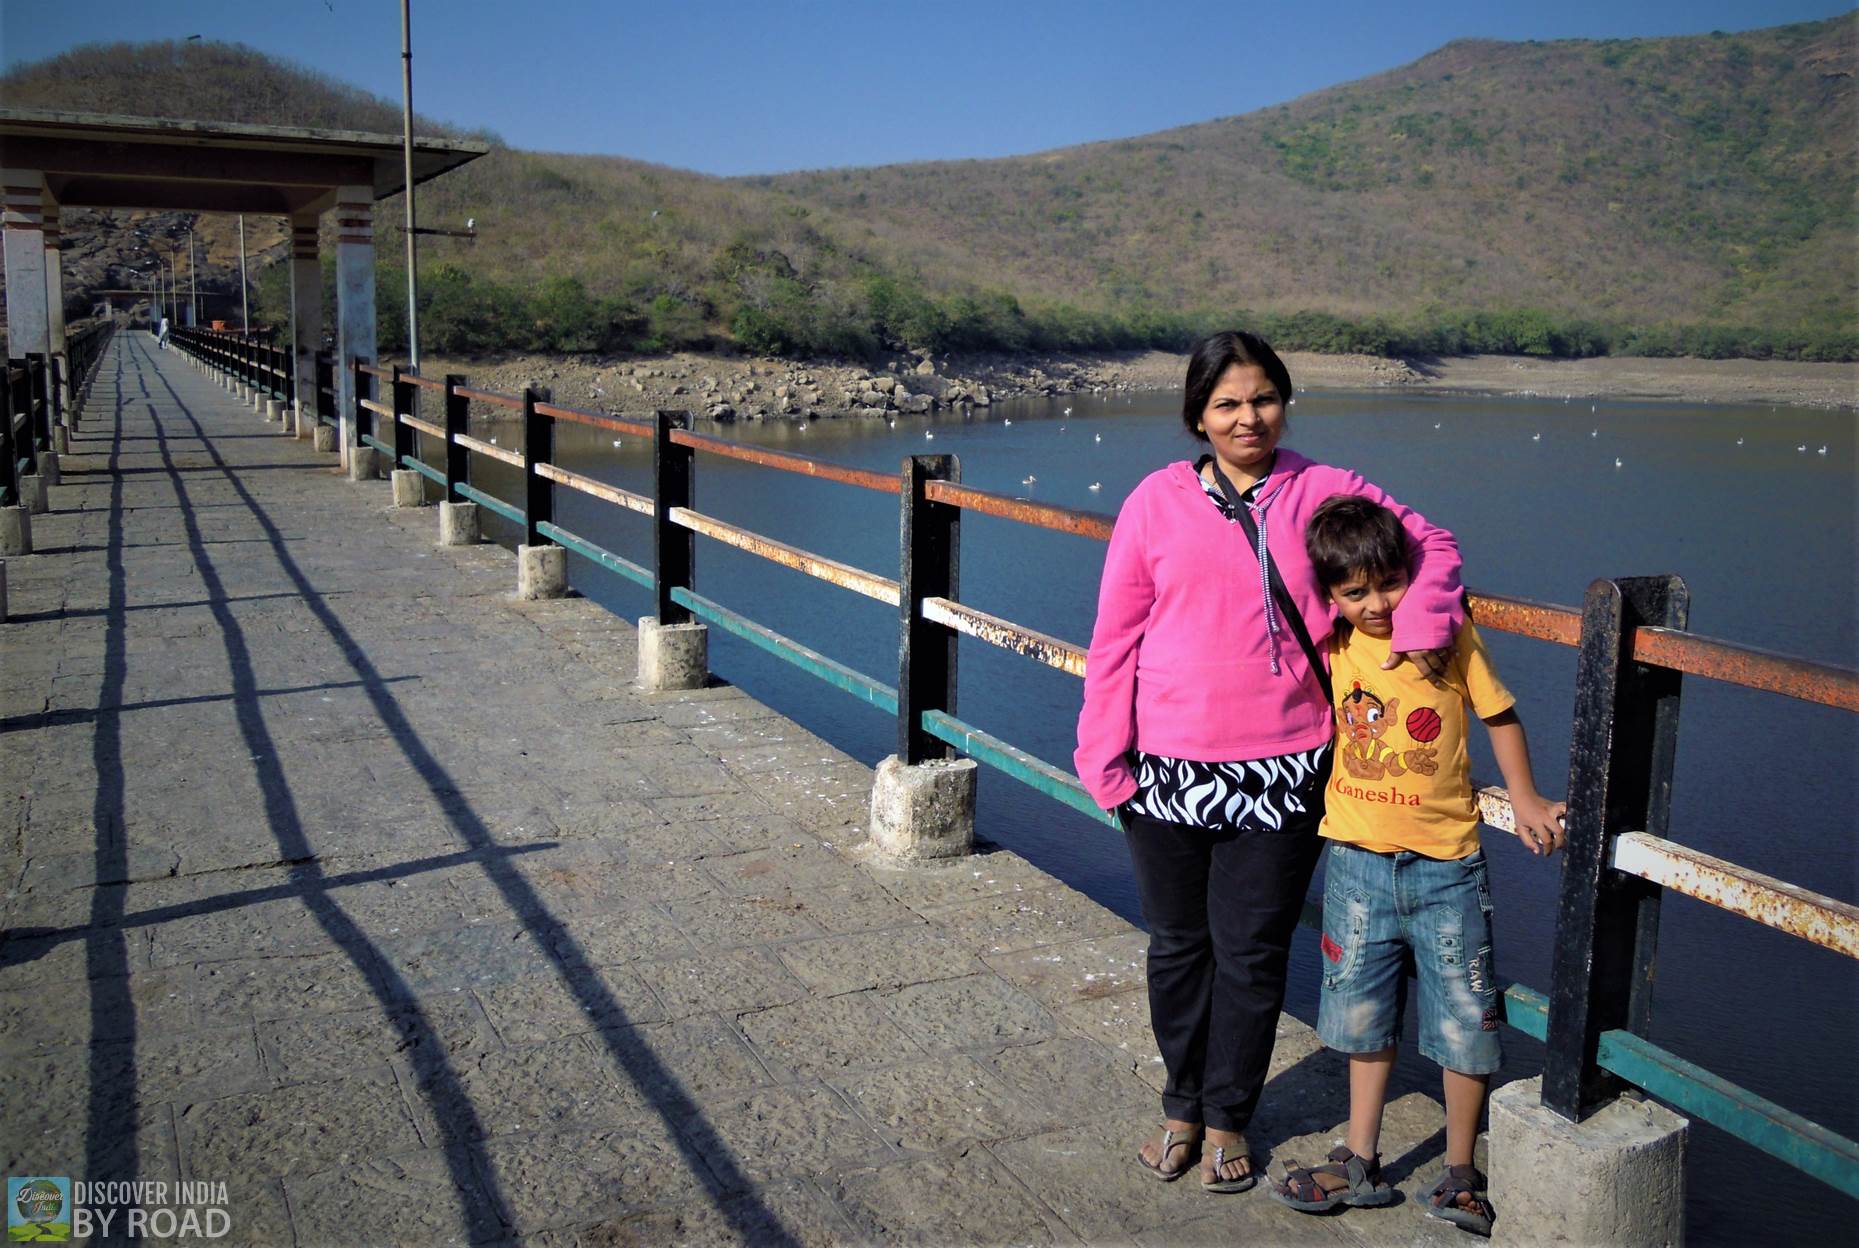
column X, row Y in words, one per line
column 1207, row 728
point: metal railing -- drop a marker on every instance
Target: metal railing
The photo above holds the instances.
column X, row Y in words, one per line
column 1630, row 635
column 27, row 395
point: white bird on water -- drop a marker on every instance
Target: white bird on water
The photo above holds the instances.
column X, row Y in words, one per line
column 1616, row 461
column 1097, row 437
column 616, row 441
column 1029, row 480
column 1594, row 433
column 1095, row 486
column 1536, row 437
column 1739, row 441
column 1436, row 424
column 1006, row 423
column 1802, row 448
column 1822, row 450
column 1066, row 412
column 929, row 435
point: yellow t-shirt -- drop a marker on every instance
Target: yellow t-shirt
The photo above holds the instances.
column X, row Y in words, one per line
column 1401, row 777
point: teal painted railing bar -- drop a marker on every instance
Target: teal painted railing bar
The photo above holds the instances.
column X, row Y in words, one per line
column 424, row 469
column 1034, row 772
column 1808, row 1146
column 513, row 514
column 835, row 674
column 587, row 550
column 369, row 439
column 1527, row 1010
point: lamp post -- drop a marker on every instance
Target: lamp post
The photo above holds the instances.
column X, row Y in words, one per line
column 406, row 122
column 193, row 282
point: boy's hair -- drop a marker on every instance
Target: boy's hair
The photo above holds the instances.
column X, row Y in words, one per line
column 1350, row 534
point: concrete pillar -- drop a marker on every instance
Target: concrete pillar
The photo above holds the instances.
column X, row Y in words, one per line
column 1617, row 1178
column 354, row 302
column 48, row 467
column 325, row 438
column 672, row 656
column 22, row 222
column 306, row 420
column 15, row 530
column 32, row 493
column 458, row 524
column 364, row 463
column 306, row 310
column 409, row 488
column 274, row 410
column 2, row 591
column 925, row 810
column 541, row 572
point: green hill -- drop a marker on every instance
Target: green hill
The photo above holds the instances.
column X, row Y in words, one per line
column 1652, row 196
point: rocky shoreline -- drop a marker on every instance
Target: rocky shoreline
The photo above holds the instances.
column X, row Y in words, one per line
column 725, row 389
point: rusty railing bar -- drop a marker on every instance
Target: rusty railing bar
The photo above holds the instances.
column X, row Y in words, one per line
column 491, row 397
column 597, row 419
column 1041, row 515
column 375, row 370
column 430, row 383
column 1748, row 666
column 424, row 426
column 844, row 575
column 1763, row 898
column 1026, row 642
column 598, row 489
column 883, row 483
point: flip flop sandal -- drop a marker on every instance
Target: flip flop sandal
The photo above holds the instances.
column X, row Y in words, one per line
column 1171, row 1140
column 1301, row 1191
column 1245, row 1182
column 1443, row 1200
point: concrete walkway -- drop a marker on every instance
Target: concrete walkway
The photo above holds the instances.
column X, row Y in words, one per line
column 337, row 875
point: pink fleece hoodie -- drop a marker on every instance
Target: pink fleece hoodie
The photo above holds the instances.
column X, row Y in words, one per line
column 1181, row 659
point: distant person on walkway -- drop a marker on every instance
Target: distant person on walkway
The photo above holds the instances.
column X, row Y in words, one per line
column 1405, row 877
column 1207, row 728
column 161, row 334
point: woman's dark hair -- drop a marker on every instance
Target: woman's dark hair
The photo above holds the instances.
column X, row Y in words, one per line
column 1216, row 353
column 1349, row 534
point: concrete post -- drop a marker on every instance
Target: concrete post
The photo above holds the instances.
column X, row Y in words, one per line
column 364, row 463
column 354, row 302
column 409, row 488
column 32, row 493
column 541, row 572
column 672, row 656
column 1617, row 1178
column 325, row 436
column 22, row 221
column 306, row 419
column 925, row 810
column 48, row 467
column 2, row 591
column 15, row 530
column 458, row 524
column 274, row 411
column 306, row 310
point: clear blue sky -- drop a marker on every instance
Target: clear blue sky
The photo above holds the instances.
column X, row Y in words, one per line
column 792, row 84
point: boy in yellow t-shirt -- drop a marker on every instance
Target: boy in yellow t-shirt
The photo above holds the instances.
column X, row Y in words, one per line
column 1405, row 874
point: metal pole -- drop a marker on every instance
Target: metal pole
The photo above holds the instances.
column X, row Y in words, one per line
column 245, row 290
column 406, row 121
column 193, row 283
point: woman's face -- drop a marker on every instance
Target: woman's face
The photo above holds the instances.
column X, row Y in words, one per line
column 1244, row 417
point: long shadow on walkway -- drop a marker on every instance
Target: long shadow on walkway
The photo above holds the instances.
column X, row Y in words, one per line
column 703, row 1149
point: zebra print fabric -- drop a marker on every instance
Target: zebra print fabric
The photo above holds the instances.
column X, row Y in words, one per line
column 1247, row 796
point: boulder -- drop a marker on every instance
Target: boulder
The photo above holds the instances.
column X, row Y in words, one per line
column 918, row 403
column 980, row 396
column 873, row 398
column 723, row 413
column 926, row 369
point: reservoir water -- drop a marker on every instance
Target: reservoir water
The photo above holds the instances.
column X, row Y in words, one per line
column 1544, row 496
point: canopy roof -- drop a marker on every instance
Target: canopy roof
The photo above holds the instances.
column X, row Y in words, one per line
column 94, row 160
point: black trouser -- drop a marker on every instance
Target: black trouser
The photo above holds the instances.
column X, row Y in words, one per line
column 1221, row 907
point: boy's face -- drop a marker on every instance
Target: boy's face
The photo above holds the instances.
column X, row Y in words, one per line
column 1367, row 600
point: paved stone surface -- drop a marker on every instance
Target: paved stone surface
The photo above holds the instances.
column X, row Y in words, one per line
column 332, row 872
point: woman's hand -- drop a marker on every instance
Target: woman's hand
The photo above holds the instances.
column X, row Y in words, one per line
column 1431, row 664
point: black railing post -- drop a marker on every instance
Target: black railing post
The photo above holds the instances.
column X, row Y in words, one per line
column 930, row 548
column 9, row 453
column 457, row 458
column 1621, row 753
column 364, row 389
column 41, row 404
column 538, row 448
column 55, row 387
column 674, row 547
column 325, row 404
column 405, row 396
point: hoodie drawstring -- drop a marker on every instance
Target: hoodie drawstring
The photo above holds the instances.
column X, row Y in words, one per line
column 1265, row 585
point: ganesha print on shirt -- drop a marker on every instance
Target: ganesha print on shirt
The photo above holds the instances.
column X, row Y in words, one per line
column 1370, row 728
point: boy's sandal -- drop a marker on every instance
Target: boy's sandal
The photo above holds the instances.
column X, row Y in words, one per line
column 1443, row 1200
column 1361, row 1187
column 1187, row 1139
column 1227, row 1155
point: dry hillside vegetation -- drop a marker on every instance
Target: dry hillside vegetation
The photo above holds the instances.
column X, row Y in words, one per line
column 1575, row 198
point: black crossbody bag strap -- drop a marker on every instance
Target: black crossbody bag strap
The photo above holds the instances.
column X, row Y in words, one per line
column 1280, row 595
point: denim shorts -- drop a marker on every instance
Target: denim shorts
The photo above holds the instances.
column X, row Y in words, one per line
column 1380, row 909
